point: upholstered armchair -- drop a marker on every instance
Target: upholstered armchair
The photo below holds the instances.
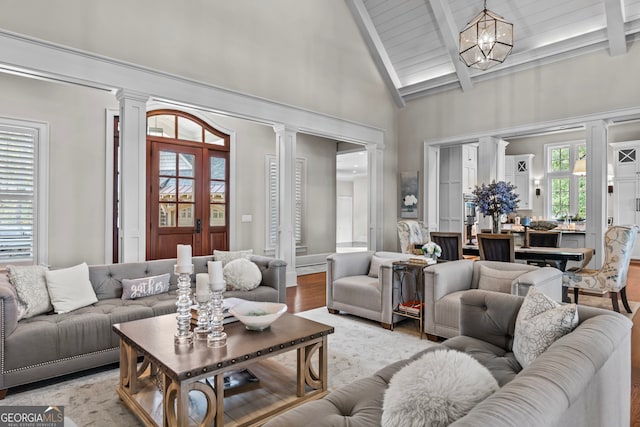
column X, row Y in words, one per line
column 361, row 283
column 412, row 233
column 612, row 277
column 445, row 283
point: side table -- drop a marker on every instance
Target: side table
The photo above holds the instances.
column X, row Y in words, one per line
column 407, row 299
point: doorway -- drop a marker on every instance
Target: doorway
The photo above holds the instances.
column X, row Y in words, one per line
column 352, row 181
column 187, row 176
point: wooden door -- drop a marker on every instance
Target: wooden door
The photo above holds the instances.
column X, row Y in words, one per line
column 187, row 199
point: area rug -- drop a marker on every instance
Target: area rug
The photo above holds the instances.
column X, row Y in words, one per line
column 358, row 348
column 605, row 302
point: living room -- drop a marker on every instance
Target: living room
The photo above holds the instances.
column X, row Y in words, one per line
column 322, row 82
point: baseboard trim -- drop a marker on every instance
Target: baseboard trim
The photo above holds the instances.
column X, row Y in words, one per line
column 315, row 259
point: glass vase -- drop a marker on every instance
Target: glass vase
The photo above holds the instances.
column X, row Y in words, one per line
column 495, row 223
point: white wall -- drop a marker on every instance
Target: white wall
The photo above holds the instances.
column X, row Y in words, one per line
column 360, row 207
column 308, row 54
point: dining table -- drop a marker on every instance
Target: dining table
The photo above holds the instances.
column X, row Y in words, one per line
column 536, row 253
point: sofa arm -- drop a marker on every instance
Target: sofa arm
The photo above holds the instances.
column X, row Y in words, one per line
column 274, row 274
column 8, row 306
column 348, row 264
column 547, row 280
column 447, row 277
column 489, row 316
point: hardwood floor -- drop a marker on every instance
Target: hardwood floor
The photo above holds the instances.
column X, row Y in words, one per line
column 310, row 294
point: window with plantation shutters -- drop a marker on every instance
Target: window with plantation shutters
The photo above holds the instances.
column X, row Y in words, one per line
column 18, row 148
column 272, row 200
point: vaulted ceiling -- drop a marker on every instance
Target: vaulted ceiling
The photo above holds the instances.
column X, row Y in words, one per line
column 415, row 42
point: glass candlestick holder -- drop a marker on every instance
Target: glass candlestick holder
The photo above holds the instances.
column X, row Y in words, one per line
column 217, row 337
column 203, row 326
column 183, row 335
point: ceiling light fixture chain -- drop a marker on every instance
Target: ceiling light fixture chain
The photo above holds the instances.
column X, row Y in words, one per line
column 486, row 41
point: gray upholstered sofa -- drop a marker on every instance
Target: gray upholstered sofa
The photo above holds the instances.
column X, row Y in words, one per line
column 446, row 282
column 50, row 345
column 583, row 379
column 354, row 286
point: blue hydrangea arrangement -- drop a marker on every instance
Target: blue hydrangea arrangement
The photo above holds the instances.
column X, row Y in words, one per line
column 496, row 198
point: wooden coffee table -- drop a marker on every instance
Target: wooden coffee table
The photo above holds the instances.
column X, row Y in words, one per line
column 182, row 370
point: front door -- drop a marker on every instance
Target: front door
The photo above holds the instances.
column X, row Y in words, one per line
column 187, row 201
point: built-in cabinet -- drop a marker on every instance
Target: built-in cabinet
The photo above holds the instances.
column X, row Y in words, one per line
column 517, row 170
column 458, row 174
column 626, row 186
column 469, row 167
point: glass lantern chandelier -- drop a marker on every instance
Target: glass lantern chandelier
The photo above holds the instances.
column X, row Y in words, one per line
column 486, row 41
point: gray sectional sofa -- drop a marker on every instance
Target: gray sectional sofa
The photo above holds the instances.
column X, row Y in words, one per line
column 50, row 345
column 583, row 379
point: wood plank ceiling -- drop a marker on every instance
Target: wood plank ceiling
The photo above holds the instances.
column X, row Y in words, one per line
column 415, row 42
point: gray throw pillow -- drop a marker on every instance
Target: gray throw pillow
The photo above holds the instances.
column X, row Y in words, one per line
column 145, row 286
column 31, row 287
column 228, row 256
column 495, row 280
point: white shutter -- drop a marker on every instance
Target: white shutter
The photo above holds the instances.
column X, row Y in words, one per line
column 17, row 193
column 272, row 200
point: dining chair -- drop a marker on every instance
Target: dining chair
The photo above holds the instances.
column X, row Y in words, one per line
column 612, row 277
column 545, row 239
column 411, row 233
column 450, row 243
column 497, row 247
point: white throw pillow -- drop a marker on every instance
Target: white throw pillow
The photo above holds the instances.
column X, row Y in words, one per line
column 145, row 286
column 436, row 389
column 492, row 279
column 228, row 256
column 70, row 288
column 540, row 322
column 241, row 275
column 31, row 287
column 376, row 262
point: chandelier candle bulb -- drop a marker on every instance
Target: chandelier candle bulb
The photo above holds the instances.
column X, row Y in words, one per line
column 184, row 259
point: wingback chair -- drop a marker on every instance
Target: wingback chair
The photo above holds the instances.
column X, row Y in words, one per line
column 612, row 277
column 411, row 233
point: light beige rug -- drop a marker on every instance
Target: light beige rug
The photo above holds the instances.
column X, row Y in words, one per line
column 358, row 348
column 605, row 302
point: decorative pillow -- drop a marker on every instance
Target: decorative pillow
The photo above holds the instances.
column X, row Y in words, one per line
column 145, row 286
column 436, row 389
column 376, row 262
column 495, row 280
column 31, row 286
column 241, row 275
column 70, row 288
column 540, row 322
column 227, row 256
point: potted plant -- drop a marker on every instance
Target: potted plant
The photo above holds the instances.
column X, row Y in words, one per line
column 496, row 199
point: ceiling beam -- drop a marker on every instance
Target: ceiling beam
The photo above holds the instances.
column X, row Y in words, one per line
column 376, row 48
column 615, row 27
column 450, row 36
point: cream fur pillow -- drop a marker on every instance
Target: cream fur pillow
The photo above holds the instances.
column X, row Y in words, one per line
column 241, row 275
column 435, row 390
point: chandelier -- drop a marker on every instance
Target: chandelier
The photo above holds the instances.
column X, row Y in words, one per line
column 486, row 41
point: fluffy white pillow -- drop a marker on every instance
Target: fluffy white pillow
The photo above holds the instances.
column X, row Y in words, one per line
column 228, row 256
column 31, row 286
column 495, row 280
column 540, row 322
column 241, row 275
column 70, row 288
column 435, row 390
column 145, row 286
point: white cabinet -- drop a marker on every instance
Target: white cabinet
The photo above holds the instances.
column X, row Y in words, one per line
column 626, row 186
column 517, row 170
column 469, row 167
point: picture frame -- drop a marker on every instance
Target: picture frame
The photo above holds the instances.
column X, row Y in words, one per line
column 409, row 194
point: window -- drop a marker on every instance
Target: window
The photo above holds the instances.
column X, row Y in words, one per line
column 22, row 195
column 567, row 193
column 272, row 200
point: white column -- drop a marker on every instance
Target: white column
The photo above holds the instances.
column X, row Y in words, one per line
column 133, row 155
column 286, row 160
column 374, row 220
column 597, row 133
column 491, row 152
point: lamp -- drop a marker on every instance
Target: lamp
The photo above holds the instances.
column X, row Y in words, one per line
column 486, row 41
column 580, row 168
column 537, row 182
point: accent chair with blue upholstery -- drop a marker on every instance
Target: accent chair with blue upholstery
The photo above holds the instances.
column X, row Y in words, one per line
column 612, row 277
